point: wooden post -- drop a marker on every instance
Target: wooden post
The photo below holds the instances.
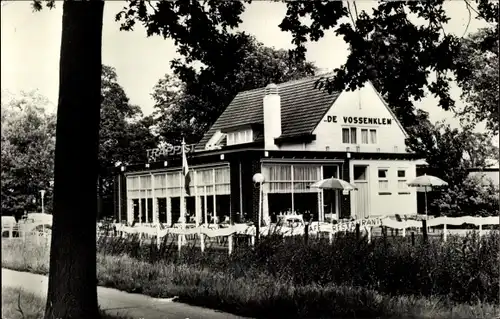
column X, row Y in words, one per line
column 202, row 241
column 179, row 242
column 480, row 230
column 424, row 230
column 413, row 238
column 252, row 241
column 11, row 231
column 404, row 232
column 369, row 234
column 306, row 232
column 230, row 244
column 330, row 237
column 445, row 232
column 158, row 235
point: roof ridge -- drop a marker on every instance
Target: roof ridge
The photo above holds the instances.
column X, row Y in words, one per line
column 291, row 82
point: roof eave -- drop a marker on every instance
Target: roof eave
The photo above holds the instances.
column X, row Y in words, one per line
column 299, row 138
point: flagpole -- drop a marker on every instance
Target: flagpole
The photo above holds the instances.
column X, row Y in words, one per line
column 183, row 203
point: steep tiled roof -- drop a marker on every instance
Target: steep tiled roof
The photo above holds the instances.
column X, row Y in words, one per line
column 302, row 107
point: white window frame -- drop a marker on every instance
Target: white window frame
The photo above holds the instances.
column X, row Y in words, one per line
column 365, row 130
column 350, row 130
column 384, row 180
column 402, row 186
column 355, row 131
column 240, row 137
column 371, row 140
column 348, row 135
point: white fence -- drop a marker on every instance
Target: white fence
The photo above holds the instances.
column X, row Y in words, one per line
column 244, row 229
column 366, row 225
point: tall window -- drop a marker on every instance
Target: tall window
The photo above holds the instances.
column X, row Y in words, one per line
column 345, row 136
column 174, row 184
column 304, row 176
column 383, row 179
column 160, row 185
column 133, row 187
column 373, row 136
column 353, row 135
column 288, row 188
column 402, row 179
column 364, row 136
column 222, row 181
column 349, row 135
column 205, row 181
column 280, row 178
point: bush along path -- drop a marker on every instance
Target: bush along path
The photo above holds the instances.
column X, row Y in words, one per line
column 297, row 280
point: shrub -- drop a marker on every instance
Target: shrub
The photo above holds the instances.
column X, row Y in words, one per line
column 464, row 269
column 312, row 279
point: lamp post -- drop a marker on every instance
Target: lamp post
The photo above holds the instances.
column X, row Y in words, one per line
column 42, row 193
column 259, row 179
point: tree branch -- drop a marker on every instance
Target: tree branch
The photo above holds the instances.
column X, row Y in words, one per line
column 19, row 305
column 477, row 12
column 350, row 14
column 470, row 18
column 152, row 7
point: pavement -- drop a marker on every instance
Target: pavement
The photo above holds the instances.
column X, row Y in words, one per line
column 116, row 302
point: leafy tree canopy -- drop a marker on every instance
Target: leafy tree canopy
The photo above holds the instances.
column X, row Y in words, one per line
column 190, row 102
column 124, row 132
column 479, row 52
column 28, row 141
column 473, row 197
column 449, row 151
column 399, row 46
column 387, row 48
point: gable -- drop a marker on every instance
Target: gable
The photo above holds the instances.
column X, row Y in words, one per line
column 302, row 107
column 363, row 110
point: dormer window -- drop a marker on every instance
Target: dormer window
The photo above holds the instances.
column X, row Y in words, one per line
column 215, row 141
column 240, row 137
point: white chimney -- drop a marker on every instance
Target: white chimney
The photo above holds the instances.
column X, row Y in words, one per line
column 272, row 116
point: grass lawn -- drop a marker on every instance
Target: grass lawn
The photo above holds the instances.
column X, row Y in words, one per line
column 251, row 293
column 19, row 304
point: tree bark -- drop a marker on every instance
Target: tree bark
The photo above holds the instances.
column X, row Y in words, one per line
column 99, row 197
column 72, row 289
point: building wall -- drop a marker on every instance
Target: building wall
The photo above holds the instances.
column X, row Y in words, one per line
column 364, row 102
column 293, row 147
column 250, row 194
column 345, row 204
column 171, row 187
column 394, row 199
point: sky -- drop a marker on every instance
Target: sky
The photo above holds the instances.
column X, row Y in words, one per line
column 30, row 45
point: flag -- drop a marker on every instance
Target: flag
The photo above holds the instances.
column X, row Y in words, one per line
column 185, row 170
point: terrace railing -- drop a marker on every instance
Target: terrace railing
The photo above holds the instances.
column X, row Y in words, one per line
column 315, row 228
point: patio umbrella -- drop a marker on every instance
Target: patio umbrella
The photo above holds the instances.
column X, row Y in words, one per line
column 334, row 183
column 427, row 181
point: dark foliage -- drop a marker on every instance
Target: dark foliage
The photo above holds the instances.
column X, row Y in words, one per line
column 463, row 269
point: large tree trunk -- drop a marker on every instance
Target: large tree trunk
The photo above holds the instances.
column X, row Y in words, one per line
column 99, row 197
column 72, row 277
